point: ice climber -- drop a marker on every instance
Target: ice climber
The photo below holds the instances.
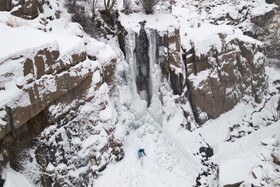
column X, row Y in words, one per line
column 141, row 153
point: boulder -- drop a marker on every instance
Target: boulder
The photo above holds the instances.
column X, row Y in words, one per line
column 27, row 9
column 276, row 156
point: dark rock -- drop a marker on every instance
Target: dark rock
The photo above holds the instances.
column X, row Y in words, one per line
column 269, row 1
column 266, row 30
column 276, row 157
column 2, row 182
column 261, row 20
column 174, row 61
column 41, row 155
column 233, row 185
column 46, row 180
column 208, row 151
column 121, row 37
column 27, row 9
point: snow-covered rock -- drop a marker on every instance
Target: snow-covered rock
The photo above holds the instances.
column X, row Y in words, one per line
column 27, row 9
column 227, row 67
column 49, row 77
column 35, row 71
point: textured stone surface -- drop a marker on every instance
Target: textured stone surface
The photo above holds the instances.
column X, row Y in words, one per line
column 228, row 76
column 217, row 79
column 59, row 97
column 267, row 29
column 27, row 9
column 108, row 70
column 45, row 78
column 172, row 64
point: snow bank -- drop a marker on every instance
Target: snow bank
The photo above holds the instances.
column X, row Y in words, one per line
column 102, row 52
column 14, row 179
column 236, row 160
column 205, row 37
column 234, row 171
column 22, row 40
column 158, row 21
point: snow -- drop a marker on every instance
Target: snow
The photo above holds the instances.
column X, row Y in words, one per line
column 233, row 170
column 22, row 40
column 236, row 160
column 167, row 170
column 199, row 78
column 67, row 43
column 106, row 114
column 14, row 179
column 270, row 141
column 159, row 21
column 206, row 37
column 102, row 52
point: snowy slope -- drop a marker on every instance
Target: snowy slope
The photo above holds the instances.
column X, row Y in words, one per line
column 170, row 150
column 14, row 179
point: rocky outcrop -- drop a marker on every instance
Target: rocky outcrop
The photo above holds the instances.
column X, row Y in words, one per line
column 218, row 80
column 217, row 72
column 44, row 82
column 172, row 64
column 60, row 89
column 27, row 9
column 267, row 29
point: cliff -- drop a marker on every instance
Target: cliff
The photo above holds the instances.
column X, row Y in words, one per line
column 189, row 83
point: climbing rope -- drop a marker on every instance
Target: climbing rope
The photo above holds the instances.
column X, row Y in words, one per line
column 203, row 140
column 161, row 165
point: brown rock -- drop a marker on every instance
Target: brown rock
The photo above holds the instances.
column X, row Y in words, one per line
column 28, row 67
column 229, row 75
column 276, row 157
column 27, row 9
column 2, row 5
column 108, row 71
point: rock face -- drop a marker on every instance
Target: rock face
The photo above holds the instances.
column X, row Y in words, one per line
column 45, row 76
column 57, row 88
column 172, row 64
column 27, row 9
column 267, row 29
column 218, row 80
